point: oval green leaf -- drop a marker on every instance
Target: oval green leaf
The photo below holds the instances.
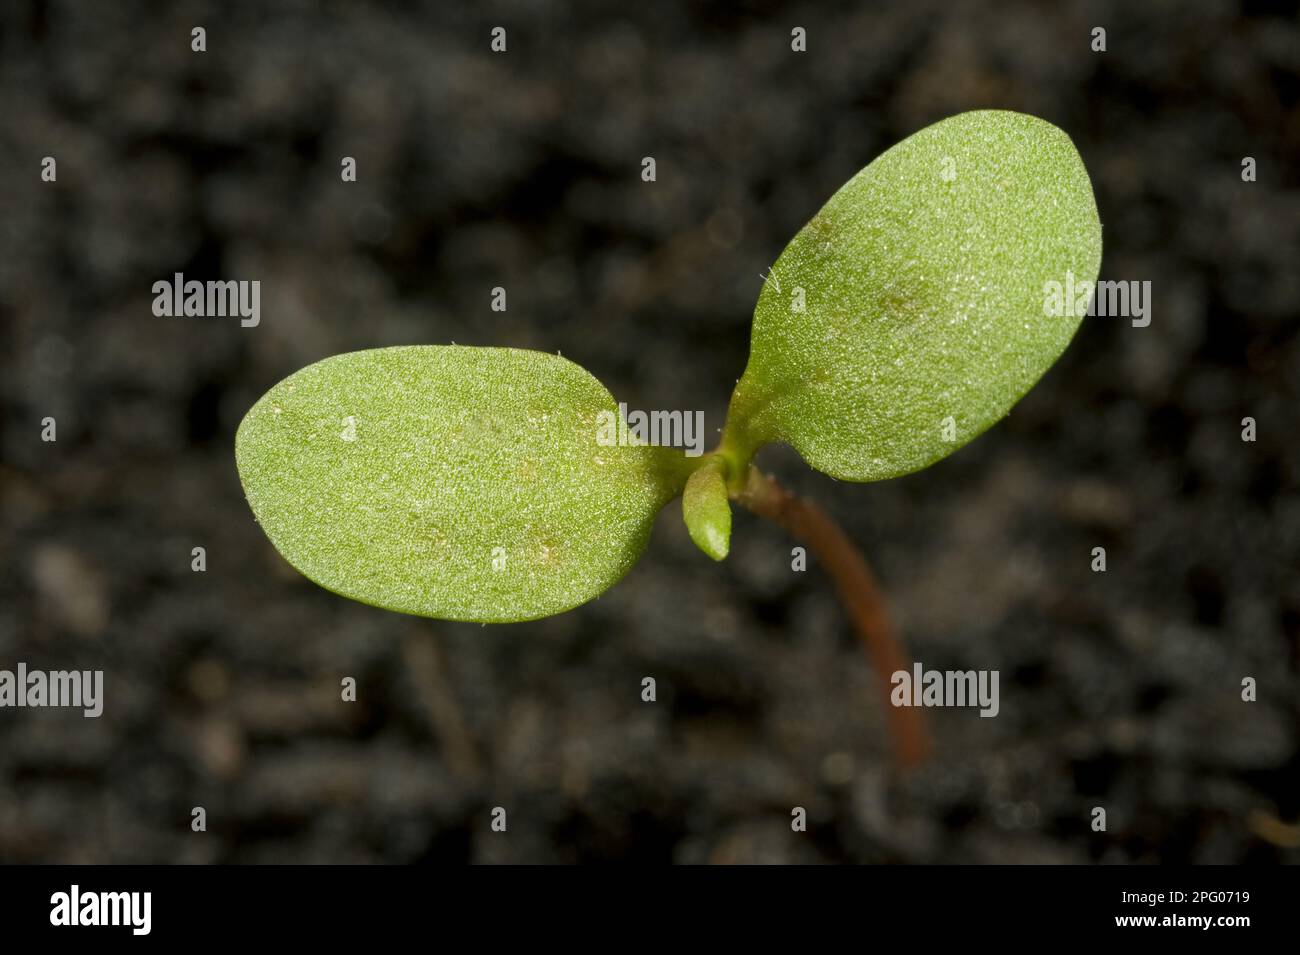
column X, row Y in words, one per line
column 460, row 483
column 913, row 312
column 706, row 510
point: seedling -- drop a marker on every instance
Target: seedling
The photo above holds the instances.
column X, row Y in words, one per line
column 905, row 319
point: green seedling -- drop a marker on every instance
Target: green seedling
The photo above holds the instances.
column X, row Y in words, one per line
column 903, row 320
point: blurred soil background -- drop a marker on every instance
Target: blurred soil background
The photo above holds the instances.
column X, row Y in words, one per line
column 1119, row 690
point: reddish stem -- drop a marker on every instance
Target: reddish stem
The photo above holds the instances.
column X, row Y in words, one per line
column 858, row 592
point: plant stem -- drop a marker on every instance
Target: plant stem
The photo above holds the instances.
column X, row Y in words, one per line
column 857, row 590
